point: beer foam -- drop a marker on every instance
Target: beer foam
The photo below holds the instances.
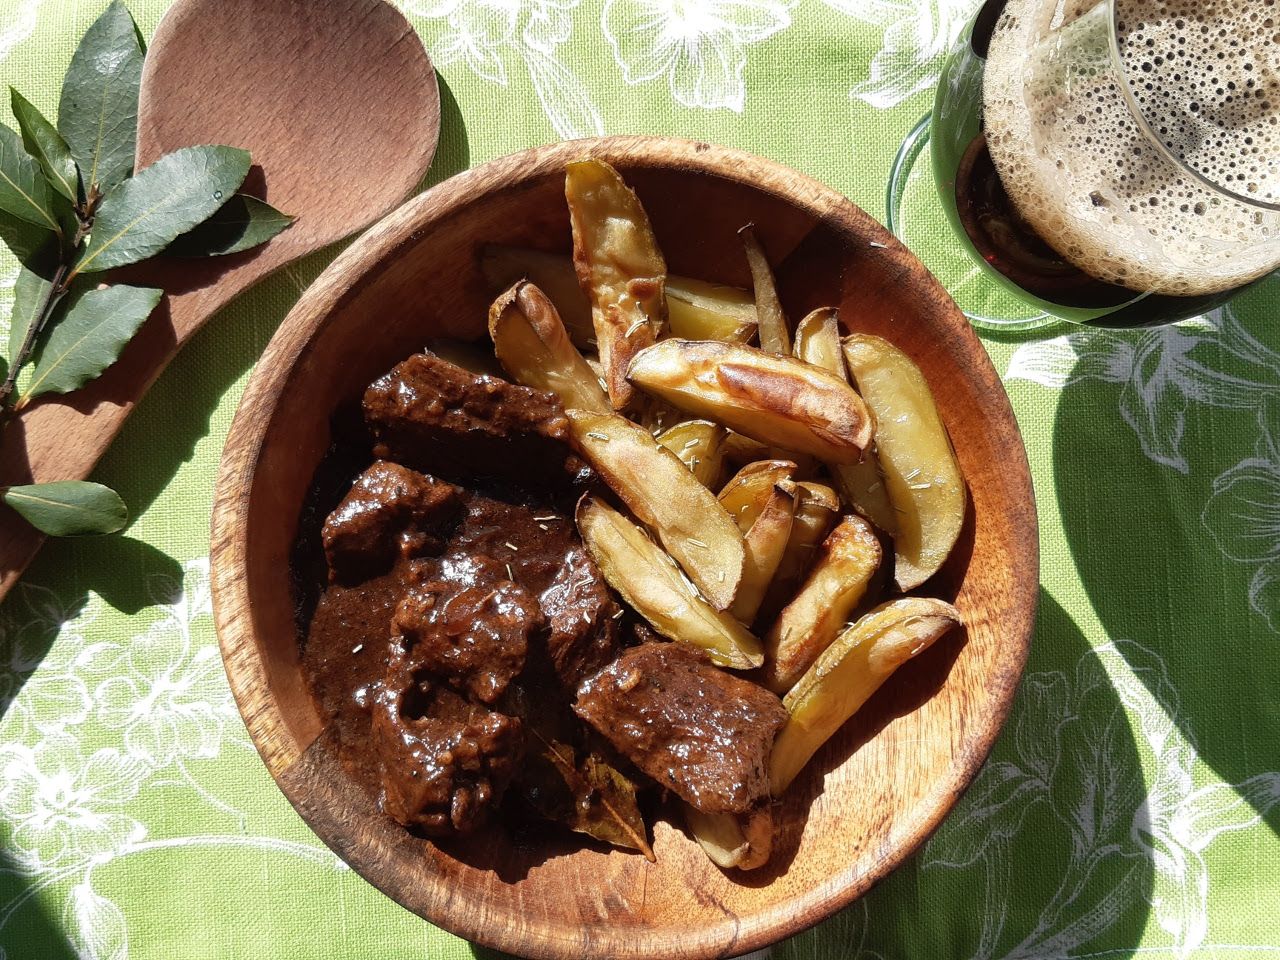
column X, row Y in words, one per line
column 1080, row 167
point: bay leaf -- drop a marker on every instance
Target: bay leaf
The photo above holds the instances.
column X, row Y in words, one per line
column 29, row 293
column 69, row 508
column 241, row 224
column 45, row 143
column 587, row 795
column 98, row 111
column 86, row 335
column 147, row 212
column 35, row 246
column 24, row 192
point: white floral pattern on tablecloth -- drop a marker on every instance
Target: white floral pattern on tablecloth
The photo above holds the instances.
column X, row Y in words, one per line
column 66, row 804
column 698, row 46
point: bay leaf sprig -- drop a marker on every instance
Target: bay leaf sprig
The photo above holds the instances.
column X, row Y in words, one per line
column 72, row 208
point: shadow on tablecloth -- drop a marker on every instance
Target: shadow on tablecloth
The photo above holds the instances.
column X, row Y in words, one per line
column 1166, row 451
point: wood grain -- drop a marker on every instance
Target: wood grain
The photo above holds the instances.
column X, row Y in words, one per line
column 869, row 798
column 341, row 113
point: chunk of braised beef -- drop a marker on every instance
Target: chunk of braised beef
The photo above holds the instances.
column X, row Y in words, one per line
column 389, row 512
column 473, row 637
column 581, row 613
column 701, row 732
column 444, row 762
column 429, row 413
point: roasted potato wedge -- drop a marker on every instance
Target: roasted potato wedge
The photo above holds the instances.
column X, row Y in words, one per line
column 649, row 581
column 860, row 484
column 920, row 471
column 532, row 344
column 849, row 672
column 469, row 356
column 818, row 341
column 817, row 508
column 619, row 266
column 776, row 400
column 740, row 450
column 697, row 444
column 685, row 516
column 835, row 586
column 733, row 841
column 765, row 542
column 697, row 310
column 746, row 494
column 554, row 275
column 775, row 336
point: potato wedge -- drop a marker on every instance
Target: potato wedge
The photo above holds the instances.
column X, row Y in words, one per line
column 740, row 450
column 697, row 444
column 862, row 487
column 619, row 266
column 652, row 585
column 849, row 672
column 859, row 483
column 733, row 841
column 920, row 471
column 697, row 310
column 687, row 518
column 554, row 275
column 467, row 355
column 776, row 400
column 835, row 586
column 775, row 336
column 533, row 346
column 817, row 508
column 818, row 341
column 746, row 494
column 765, row 543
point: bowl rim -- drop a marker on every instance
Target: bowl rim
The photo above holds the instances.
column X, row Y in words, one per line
column 358, row 265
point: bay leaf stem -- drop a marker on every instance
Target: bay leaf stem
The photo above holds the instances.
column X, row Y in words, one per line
column 57, row 288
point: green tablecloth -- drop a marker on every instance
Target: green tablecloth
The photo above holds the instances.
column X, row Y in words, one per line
column 1131, row 805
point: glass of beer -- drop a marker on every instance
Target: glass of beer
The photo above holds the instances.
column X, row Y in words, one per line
column 1114, row 162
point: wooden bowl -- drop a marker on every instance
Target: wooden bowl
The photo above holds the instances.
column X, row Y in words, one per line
column 869, row 798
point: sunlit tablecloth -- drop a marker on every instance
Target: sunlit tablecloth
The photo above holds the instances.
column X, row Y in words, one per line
column 1131, row 805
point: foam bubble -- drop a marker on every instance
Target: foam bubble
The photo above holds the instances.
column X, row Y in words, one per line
column 1080, row 167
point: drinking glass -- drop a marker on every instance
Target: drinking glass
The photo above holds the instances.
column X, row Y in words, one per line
column 1162, row 182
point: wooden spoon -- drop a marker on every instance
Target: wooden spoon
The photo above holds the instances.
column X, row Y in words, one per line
column 339, row 106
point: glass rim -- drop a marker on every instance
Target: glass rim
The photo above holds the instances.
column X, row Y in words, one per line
column 1131, row 100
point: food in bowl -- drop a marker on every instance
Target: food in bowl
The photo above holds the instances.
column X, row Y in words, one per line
column 542, row 599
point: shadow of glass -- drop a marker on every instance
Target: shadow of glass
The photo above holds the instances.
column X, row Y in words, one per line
column 1042, row 856
column 1174, row 549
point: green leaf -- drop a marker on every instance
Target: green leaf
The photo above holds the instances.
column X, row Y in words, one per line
column 146, row 213
column 45, row 143
column 29, row 293
column 241, row 224
column 585, row 793
column 24, row 192
column 69, row 508
column 30, row 243
column 98, row 112
column 87, row 334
